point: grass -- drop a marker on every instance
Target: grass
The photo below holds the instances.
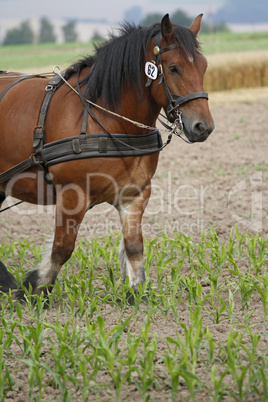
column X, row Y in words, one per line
column 201, row 334
column 33, row 57
column 228, row 42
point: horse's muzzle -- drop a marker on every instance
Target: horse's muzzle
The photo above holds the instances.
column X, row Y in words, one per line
column 199, row 131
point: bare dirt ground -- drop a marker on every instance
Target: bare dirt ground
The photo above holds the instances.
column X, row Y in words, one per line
column 222, row 182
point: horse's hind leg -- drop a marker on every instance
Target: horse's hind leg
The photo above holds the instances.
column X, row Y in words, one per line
column 67, row 225
column 131, row 247
column 6, row 279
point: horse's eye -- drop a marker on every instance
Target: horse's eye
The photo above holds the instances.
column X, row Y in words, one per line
column 174, row 69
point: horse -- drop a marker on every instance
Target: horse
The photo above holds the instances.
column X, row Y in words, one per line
column 116, row 94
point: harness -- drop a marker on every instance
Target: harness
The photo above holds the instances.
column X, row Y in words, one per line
column 81, row 146
column 173, row 100
column 97, row 145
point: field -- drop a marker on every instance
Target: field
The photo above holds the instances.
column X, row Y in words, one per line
column 43, row 57
column 202, row 335
column 234, row 60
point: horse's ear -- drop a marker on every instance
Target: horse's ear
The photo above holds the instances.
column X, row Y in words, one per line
column 196, row 25
column 166, row 28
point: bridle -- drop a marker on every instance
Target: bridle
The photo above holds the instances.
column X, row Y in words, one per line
column 173, row 101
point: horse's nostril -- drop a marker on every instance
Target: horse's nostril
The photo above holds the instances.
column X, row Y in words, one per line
column 199, row 128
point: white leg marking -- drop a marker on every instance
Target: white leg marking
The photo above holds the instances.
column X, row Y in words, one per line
column 125, row 265
column 46, row 269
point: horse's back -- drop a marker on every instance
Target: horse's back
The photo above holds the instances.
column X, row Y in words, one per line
column 19, row 110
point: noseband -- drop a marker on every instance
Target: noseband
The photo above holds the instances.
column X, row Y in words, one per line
column 173, row 100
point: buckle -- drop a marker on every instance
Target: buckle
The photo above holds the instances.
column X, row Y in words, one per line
column 35, row 162
column 49, row 87
column 178, row 124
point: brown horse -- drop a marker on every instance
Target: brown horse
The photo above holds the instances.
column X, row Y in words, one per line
column 114, row 78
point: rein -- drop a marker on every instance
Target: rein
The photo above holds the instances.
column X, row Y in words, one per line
column 176, row 128
column 11, row 206
column 57, row 71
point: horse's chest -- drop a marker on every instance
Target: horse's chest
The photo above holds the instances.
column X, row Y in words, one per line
column 124, row 180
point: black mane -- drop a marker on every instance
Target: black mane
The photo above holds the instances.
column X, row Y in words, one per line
column 119, row 61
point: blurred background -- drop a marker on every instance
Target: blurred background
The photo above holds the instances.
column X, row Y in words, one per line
column 36, row 35
column 93, row 19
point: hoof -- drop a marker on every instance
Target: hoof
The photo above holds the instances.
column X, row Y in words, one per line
column 130, row 298
column 7, row 281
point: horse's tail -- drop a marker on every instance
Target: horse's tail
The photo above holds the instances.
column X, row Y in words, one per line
column 2, row 197
column 7, row 280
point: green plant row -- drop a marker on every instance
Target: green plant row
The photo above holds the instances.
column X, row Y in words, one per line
column 200, row 335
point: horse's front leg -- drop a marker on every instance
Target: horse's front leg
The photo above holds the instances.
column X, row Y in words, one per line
column 131, row 247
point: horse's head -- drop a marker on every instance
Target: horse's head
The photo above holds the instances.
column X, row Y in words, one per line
column 178, row 86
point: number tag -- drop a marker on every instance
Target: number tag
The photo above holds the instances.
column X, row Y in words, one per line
column 151, row 70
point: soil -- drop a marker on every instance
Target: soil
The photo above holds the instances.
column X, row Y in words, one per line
column 221, row 182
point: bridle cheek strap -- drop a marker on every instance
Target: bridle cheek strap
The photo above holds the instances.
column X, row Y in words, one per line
column 180, row 100
column 173, row 100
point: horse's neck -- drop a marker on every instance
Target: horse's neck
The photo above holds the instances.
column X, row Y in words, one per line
column 140, row 110
column 137, row 108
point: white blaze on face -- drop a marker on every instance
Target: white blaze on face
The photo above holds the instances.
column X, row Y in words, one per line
column 190, row 58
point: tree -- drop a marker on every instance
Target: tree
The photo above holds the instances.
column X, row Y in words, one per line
column 152, row 19
column 46, row 34
column 97, row 37
column 18, row 36
column 181, row 18
column 69, row 32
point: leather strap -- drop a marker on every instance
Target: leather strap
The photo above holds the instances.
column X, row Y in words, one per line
column 87, row 110
column 39, row 134
column 19, row 168
column 101, row 145
column 180, row 100
column 84, row 122
column 12, row 84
